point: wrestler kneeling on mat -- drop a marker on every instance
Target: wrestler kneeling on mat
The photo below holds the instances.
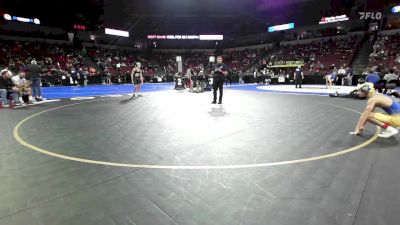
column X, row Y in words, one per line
column 386, row 121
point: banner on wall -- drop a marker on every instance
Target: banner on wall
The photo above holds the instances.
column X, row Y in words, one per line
column 283, row 64
column 333, row 19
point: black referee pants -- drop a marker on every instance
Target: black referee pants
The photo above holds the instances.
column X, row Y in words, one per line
column 298, row 81
column 218, row 83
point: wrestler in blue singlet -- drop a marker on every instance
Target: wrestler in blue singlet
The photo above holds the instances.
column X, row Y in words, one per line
column 393, row 109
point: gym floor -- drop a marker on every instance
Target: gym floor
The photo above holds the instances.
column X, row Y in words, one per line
column 171, row 157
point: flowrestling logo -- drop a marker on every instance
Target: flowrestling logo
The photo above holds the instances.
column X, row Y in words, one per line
column 370, row 15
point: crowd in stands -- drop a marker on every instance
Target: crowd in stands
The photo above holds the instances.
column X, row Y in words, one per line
column 385, row 54
column 323, row 57
column 240, row 61
column 235, row 60
column 195, row 61
column 57, row 60
column 121, row 62
column 320, row 56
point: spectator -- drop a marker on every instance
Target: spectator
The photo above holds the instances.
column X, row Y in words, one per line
column 75, row 76
column 372, row 77
column 397, row 60
column 349, row 76
column 5, row 85
column 189, row 74
column 391, row 76
column 341, row 71
column 82, row 76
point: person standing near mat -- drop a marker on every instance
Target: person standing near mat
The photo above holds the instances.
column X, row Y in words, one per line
column 189, row 77
column 137, row 79
column 229, row 80
column 33, row 74
column 387, row 121
column 298, row 76
column 219, row 73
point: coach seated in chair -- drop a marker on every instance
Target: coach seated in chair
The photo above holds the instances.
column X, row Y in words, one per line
column 390, row 87
column 7, row 88
column 380, row 85
column 391, row 77
column 341, row 75
column 374, row 78
column 24, row 87
column 348, row 79
column 392, row 82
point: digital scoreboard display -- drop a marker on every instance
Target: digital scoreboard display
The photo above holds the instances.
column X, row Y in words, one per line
column 206, row 37
column 281, row 27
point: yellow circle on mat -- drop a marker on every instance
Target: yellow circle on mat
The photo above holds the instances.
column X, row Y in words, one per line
column 18, row 137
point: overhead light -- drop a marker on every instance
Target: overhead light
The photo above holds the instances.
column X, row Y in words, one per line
column 120, row 33
column 21, row 19
column 211, row 59
column 7, row 17
column 396, row 9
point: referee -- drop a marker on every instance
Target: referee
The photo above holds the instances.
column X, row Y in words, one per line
column 298, row 76
column 219, row 73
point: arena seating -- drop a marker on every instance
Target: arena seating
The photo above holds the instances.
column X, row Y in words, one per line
column 319, row 56
column 385, row 53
